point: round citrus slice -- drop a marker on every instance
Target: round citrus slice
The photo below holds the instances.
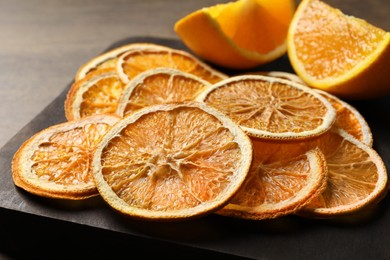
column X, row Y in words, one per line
column 97, row 93
column 272, row 108
column 109, row 59
column 341, row 54
column 56, row 162
column 157, row 86
column 348, row 117
column 240, row 34
column 357, row 176
column 172, row 161
column 133, row 62
column 281, row 182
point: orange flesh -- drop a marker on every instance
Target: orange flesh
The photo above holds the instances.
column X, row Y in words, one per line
column 346, row 120
column 273, row 107
column 171, row 160
column 276, row 175
column 138, row 62
column 163, row 88
column 351, row 173
column 247, row 22
column 101, row 97
column 334, row 43
column 66, row 156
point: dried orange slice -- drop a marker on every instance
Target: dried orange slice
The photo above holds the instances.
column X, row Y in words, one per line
column 109, row 59
column 240, row 34
column 157, row 86
column 172, row 161
column 341, row 54
column 97, row 93
column 56, row 162
column 282, row 180
column 272, row 108
column 357, row 176
column 348, row 117
column 133, row 62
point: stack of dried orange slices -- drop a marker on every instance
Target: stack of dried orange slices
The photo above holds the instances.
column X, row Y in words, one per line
column 160, row 135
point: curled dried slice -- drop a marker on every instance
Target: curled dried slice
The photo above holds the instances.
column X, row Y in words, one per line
column 97, row 93
column 271, row 108
column 348, row 117
column 158, row 86
column 133, row 62
column 357, row 176
column 172, row 161
column 282, row 180
column 56, row 162
column 109, row 59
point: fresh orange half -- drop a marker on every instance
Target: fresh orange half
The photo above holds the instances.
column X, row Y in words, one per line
column 172, row 161
column 282, row 180
column 240, row 34
column 97, row 93
column 341, row 54
column 357, row 176
column 272, row 108
column 56, row 162
column 109, row 59
column 348, row 117
column 131, row 63
column 158, row 86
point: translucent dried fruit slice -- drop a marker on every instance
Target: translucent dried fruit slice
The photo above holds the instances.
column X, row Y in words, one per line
column 133, row 62
column 110, row 58
column 348, row 117
column 282, row 180
column 97, row 93
column 56, row 162
column 272, row 108
column 158, row 86
column 172, row 161
column 357, row 176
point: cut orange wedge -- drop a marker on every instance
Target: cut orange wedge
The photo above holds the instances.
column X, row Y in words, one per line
column 341, row 54
column 240, row 34
column 172, row 161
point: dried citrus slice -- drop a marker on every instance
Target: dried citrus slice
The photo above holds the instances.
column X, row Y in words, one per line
column 172, row 161
column 348, row 117
column 341, row 54
column 272, row 108
column 157, row 86
column 278, row 74
column 357, row 176
column 282, row 180
column 133, row 62
column 56, row 162
column 97, row 93
column 239, row 34
column 109, row 59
